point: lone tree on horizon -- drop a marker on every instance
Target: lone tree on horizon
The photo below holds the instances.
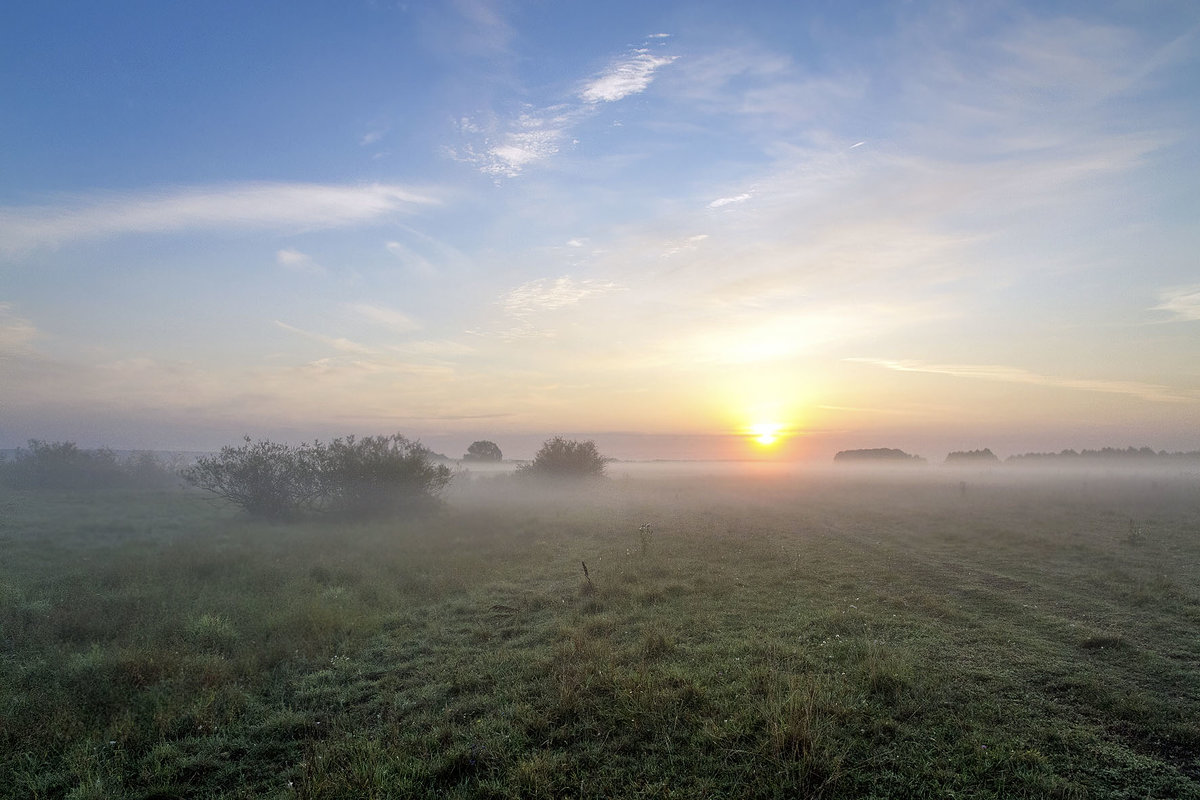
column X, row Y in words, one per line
column 566, row 458
column 483, row 451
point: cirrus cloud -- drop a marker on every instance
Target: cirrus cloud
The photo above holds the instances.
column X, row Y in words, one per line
column 549, row 294
column 505, row 148
column 16, row 332
column 623, row 78
column 1182, row 302
column 1005, row 374
column 233, row 206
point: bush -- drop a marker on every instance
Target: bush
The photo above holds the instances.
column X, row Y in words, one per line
column 378, row 475
column 267, row 479
column 347, row 477
column 566, row 458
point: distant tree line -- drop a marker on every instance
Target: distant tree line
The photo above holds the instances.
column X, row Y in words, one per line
column 64, row 466
column 877, row 454
column 986, row 456
column 1108, row 454
column 351, row 477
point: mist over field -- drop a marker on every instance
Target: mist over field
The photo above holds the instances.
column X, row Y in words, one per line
column 356, row 619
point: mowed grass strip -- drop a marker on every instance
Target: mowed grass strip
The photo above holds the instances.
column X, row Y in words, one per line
column 772, row 637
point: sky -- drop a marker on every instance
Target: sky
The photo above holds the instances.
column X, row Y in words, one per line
column 681, row 229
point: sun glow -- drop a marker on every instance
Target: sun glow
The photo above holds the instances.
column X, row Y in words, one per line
column 766, row 433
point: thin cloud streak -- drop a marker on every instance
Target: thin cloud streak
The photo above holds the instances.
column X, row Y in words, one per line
column 1182, row 302
column 411, row 258
column 725, row 201
column 236, row 206
column 990, row 372
column 389, row 318
column 16, row 333
column 337, row 343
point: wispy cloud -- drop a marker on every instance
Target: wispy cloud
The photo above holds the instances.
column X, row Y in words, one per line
column 505, row 148
column 525, row 305
column 725, row 201
column 300, row 262
column 683, row 245
column 336, row 342
column 390, row 318
column 991, row 372
column 550, row 294
column 431, row 348
column 488, row 33
column 411, row 257
column 1183, row 302
column 532, row 139
column 16, row 333
column 371, row 137
column 235, row 206
column 620, row 79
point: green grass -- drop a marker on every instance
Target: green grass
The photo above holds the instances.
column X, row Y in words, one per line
column 774, row 637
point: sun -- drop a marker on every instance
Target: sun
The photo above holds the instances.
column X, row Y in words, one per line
column 766, row 433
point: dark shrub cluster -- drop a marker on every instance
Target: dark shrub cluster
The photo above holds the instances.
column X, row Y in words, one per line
column 267, row 479
column 349, row 477
column 378, row 475
column 566, row 458
column 63, row 466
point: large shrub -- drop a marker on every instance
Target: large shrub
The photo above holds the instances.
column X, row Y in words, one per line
column 379, row 474
column 267, row 479
column 566, row 458
column 347, row 477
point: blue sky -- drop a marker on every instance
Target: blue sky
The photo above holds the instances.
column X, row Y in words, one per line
column 927, row 225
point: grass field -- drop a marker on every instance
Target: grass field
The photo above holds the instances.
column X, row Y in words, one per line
column 756, row 636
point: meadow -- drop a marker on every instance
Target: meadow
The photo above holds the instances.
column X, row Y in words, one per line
column 743, row 636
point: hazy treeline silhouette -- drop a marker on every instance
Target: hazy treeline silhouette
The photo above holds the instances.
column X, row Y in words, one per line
column 65, row 466
column 972, row 456
column 1109, row 454
column 885, row 454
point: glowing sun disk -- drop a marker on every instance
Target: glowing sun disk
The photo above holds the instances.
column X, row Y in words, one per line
column 766, row 433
